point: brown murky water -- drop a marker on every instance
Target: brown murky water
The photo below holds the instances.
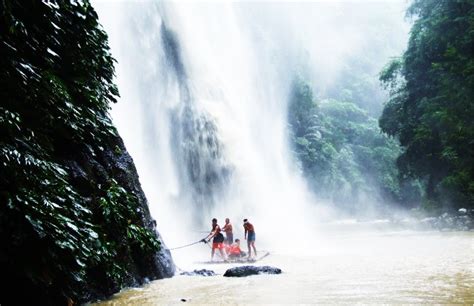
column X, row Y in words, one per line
column 397, row 267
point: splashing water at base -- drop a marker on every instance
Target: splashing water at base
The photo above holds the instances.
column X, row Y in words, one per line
column 359, row 267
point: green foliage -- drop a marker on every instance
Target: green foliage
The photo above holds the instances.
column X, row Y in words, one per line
column 431, row 102
column 342, row 152
column 56, row 79
column 121, row 211
column 119, row 215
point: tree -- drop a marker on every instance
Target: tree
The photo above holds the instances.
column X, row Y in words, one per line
column 431, row 107
column 343, row 153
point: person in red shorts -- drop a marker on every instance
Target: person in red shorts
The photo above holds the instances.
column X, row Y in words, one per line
column 217, row 240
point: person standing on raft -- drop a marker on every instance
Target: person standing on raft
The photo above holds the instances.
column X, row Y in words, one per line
column 227, row 228
column 250, row 230
column 217, row 240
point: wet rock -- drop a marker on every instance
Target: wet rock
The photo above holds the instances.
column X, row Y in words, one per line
column 202, row 272
column 243, row 271
column 460, row 221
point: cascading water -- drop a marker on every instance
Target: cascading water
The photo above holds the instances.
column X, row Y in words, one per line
column 203, row 113
column 203, row 110
column 204, row 173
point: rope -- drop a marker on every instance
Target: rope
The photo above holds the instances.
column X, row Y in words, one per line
column 187, row 245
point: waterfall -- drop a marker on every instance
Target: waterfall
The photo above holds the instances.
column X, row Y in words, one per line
column 203, row 172
column 204, row 89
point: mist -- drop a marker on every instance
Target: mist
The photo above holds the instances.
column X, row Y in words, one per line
column 205, row 88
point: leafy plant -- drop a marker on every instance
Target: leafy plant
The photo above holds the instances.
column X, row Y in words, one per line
column 430, row 109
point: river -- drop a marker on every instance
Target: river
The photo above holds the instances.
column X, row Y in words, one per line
column 358, row 267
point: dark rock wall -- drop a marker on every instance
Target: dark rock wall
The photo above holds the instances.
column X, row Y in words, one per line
column 114, row 162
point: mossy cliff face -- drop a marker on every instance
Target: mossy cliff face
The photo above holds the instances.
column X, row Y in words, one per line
column 74, row 222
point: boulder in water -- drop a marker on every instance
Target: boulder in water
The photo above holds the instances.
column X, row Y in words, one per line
column 251, row 270
column 202, row 272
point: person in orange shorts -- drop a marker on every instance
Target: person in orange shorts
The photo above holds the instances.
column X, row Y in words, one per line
column 217, row 240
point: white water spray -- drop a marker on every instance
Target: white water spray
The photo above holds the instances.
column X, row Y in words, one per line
column 203, row 109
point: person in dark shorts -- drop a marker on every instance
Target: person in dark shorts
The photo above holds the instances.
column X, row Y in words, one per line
column 250, row 236
column 227, row 228
column 217, row 240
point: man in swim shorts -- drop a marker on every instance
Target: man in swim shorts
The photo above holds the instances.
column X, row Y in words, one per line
column 250, row 236
column 217, row 240
column 227, row 228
